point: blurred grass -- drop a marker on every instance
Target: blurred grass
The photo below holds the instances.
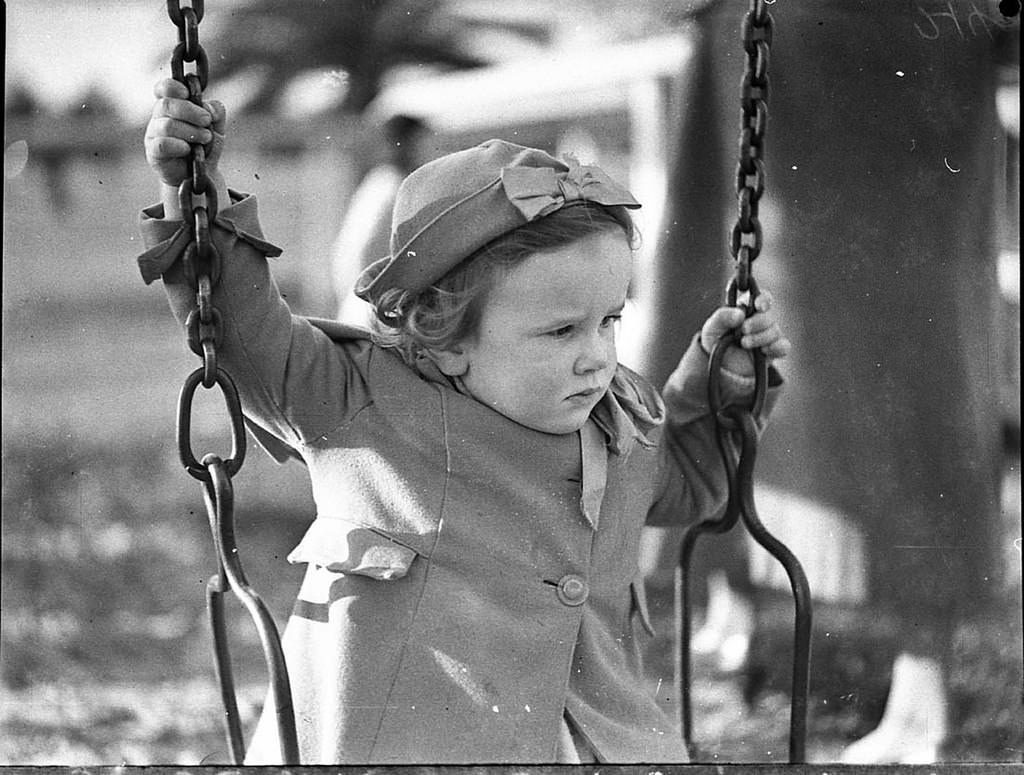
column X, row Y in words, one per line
column 105, row 656
column 851, row 662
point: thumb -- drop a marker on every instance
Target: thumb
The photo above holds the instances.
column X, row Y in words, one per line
column 721, row 321
column 218, row 114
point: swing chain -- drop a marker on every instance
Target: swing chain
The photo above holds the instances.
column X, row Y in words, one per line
column 197, row 197
column 736, row 426
column 746, row 239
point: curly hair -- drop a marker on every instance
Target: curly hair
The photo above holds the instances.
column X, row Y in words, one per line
column 448, row 312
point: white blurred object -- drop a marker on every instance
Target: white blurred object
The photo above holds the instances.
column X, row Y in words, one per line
column 556, row 84
column 828, row 544
column 914, row 724
column 1008, row 107
column 314, row 92
column 369, row 206
column 727, row 627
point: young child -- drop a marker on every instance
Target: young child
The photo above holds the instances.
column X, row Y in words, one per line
column 482, row 466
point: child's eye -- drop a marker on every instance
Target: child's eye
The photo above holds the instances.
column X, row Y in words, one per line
column 560, row 332
column 611, row 320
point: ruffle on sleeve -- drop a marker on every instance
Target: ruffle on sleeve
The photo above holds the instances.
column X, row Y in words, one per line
column 166, row 240
column 345, row 547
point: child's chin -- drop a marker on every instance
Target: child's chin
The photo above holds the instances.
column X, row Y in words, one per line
column 561, row 426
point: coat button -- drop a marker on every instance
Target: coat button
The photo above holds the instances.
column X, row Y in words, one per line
column 572, row 590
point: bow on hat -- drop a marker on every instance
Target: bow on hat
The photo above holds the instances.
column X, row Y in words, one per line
column 538, row 191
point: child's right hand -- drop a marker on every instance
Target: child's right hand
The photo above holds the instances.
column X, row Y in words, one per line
column 177, row 122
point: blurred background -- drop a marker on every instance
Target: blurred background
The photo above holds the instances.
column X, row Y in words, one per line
column 104, row 649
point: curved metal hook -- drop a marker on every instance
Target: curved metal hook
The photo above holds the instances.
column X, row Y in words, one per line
column 798, row 583
column 219, row 497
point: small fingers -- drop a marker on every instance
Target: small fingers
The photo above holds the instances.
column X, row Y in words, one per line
column 168, row 87
column 729, row 317
column 756, row 339
column 162, row 149
column 770, row 341
column 172, row 102
column 764, row 301
column 761, row 330
column 779, row 348
column 179, row 130
column 719, row 323
column 217, row 115
column 756, row 323
column 765, row 338
column 182, row 110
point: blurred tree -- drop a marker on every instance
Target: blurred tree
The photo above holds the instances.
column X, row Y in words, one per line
column 20, row 100
column 367, row 39
column 364, row 38
column 96, row 102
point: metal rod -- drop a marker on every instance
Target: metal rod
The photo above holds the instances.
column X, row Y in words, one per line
column 219, row 499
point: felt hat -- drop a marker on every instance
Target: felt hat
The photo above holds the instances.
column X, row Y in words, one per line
column 451, row 207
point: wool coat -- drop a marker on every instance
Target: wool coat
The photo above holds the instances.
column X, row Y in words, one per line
column 470, row 580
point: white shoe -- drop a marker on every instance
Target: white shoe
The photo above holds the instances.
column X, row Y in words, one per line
column 733, row 653
column 727, row 627
column 913, row 726
column 709, row 637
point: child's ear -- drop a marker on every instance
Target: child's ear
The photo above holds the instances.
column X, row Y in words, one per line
column 452, row 363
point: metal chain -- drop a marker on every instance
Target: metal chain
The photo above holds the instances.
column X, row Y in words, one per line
column 197, row 197
column 745, row 244
column 736, row 426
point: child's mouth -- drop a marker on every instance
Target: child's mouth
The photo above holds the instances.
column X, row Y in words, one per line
column 587, row 394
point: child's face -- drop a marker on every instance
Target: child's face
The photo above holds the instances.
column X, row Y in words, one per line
column 544, row 353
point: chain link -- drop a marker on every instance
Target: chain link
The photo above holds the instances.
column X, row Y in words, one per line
column 197, row 199
column 746, row 242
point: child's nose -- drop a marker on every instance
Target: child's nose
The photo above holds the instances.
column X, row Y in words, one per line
column 598, row 353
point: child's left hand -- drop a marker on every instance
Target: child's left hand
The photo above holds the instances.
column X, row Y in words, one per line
column 760, row 330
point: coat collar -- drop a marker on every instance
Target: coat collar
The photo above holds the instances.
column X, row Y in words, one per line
column 629, row 411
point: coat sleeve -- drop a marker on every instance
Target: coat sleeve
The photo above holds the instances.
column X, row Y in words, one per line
column 294, row 381
column 693, row 485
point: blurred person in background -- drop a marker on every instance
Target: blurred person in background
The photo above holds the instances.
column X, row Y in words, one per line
column 884, row 157
column 366, row 226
